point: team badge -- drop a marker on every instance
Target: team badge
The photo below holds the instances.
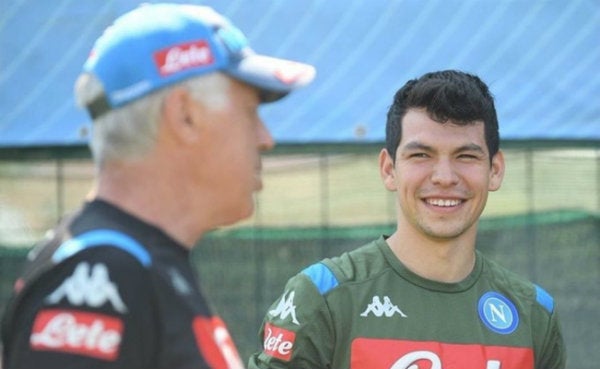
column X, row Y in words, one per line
column 498, row 313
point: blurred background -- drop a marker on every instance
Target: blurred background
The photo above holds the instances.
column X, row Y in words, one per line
column 323, row 195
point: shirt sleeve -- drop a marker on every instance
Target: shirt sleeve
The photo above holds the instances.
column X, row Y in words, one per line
column 92, row 310
column 554, row 355
column 297, row 330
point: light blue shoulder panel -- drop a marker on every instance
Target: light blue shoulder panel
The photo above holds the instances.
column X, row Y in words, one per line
column 544, row 299
column 322, row 277
column 103, row 237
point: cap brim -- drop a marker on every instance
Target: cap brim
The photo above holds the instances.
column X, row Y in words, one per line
column 273, row 76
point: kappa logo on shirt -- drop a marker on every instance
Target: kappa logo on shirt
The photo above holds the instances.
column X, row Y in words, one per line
column 77, row 332
column 286, row 307
column 380, row 309
column 89, row 286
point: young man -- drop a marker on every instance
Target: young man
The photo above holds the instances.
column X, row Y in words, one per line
column 173, row 91
column 422, row 297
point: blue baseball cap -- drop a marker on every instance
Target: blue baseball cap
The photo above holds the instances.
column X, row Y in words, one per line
column 156, row 45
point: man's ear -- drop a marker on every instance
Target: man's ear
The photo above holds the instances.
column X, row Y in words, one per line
column 386, row 170
column 178, row 115
column 497, row 171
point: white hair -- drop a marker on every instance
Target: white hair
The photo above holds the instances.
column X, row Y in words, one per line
column 130, row 131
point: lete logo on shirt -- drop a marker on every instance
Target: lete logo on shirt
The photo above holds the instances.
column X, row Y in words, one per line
column 278, row 342
column 77, row 332
column 375, row 353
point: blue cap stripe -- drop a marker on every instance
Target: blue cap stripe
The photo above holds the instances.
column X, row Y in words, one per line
column 103, row 237
column 322, row 277
column 544, row 299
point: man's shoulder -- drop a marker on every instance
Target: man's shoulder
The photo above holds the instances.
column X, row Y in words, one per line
column 354, row 266
column 517, row 285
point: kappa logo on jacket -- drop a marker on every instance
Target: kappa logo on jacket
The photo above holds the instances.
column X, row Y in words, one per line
column 89, row 286
column 380, row 309
column 286, row 307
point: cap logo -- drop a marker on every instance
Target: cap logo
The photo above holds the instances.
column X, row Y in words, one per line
column 184, row 56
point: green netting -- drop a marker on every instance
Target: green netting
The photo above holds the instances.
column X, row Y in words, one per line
column 244, row 270
column 558, row 250
column 544, row 223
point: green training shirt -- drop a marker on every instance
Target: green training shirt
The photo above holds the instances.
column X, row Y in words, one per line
column 364, row 309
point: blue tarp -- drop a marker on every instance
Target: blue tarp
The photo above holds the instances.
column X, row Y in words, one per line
column 541, row 59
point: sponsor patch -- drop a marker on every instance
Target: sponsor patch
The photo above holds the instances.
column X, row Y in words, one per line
column 77, row 332
column 498, row 313
column 404, row 354
column 278, row 342
column 215, row 343
column 183, row 56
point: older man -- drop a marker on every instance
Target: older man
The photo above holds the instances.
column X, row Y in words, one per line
column 173, row 91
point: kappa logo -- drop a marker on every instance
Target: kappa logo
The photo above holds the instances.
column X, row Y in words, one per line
column 380, row 309
column 89, row 286
column 286, row 307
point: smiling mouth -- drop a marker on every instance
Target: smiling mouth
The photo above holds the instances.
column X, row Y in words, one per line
column 446, row 203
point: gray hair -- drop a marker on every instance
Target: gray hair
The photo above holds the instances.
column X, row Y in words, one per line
column 130, row 131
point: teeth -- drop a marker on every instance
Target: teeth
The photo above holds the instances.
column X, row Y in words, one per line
column 441, row 202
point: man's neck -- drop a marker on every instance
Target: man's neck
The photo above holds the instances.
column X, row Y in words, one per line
column 447, row 261
column 149, row 196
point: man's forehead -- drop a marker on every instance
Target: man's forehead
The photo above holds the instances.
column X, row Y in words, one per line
column 421, row 132
column 421, row 121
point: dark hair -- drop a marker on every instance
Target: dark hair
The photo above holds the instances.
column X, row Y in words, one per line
column 449, row 95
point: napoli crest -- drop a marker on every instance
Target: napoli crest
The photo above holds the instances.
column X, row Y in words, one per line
column 498, row 313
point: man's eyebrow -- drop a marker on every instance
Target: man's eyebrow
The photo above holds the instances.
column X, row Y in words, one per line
column 470, row 147
column 416, row 145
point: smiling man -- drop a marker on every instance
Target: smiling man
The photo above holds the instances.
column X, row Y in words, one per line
column 423, row 297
